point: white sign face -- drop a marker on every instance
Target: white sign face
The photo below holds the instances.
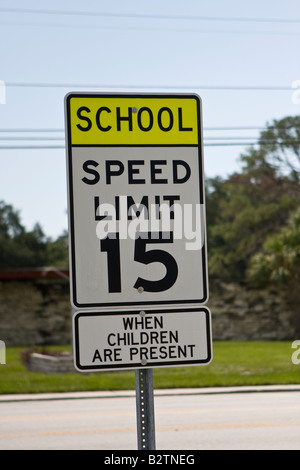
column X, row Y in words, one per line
column 137, row 340
column 136, row 200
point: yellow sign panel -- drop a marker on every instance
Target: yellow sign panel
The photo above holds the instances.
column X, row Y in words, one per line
column 102, row 119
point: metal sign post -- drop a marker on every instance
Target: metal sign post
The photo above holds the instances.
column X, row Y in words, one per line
column 145, row 409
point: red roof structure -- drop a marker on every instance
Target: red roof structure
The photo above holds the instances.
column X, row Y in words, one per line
column 33, row 273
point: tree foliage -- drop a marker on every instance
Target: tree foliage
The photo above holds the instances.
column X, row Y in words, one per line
column 279, row 259
column 27, row 249
column 243, row 210
column 279, row 149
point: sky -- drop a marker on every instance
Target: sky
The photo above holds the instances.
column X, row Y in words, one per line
column 242, row 58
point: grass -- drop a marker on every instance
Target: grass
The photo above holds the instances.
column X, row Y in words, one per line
column 234, row 364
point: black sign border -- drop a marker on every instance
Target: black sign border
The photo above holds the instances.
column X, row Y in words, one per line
column 137, row 365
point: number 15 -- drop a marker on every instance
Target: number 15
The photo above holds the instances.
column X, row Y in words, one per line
column 111, row 245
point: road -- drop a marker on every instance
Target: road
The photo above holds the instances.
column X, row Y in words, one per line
column 184, row 420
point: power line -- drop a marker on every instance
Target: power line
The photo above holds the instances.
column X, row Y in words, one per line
column 30, row 138
column 47, row 138
column 233, row 128
column 143, row 28
column 31, row 130
column 205, row 129
column 218, row 144
column 226, row 138
column 150, row 16
column 232, row 144
column 154, row 87
column 30, row 147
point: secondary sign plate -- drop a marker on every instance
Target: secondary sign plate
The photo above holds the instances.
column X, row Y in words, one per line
column 136, row 200
column 132, row 340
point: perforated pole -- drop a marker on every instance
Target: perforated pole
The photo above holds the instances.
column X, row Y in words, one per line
column 145, row 409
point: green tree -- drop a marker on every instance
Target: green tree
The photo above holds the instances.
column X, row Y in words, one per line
column 27, row 249
column 278, row 264
column 246, row 212
column 244, row 209
column 57, row 251
column 279, row 259
column 278, row 150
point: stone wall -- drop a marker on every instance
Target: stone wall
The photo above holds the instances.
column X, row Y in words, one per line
column 240, row 313
column 38, row 313
column 35, row 312
column 50, row 364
